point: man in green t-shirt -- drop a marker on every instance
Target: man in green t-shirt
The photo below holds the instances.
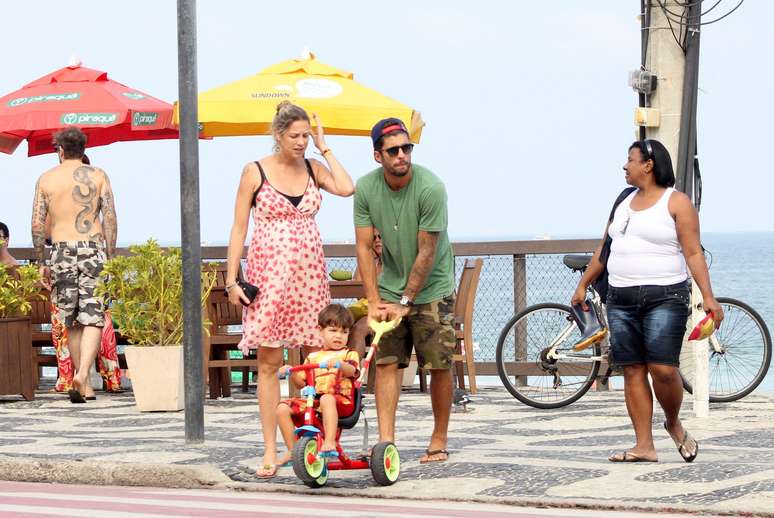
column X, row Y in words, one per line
column 407, row 204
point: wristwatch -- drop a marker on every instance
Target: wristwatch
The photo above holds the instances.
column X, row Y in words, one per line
column 405, row 301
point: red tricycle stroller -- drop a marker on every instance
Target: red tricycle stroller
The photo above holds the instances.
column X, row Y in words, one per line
column 312, row 467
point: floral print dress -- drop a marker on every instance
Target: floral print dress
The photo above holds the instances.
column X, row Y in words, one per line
column 285, row 260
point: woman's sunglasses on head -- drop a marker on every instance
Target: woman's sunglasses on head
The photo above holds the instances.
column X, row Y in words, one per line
column 648, row 150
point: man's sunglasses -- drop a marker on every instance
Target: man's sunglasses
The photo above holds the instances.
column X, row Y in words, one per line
column 393, row 151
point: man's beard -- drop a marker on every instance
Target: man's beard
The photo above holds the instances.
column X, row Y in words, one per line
column 399, row 174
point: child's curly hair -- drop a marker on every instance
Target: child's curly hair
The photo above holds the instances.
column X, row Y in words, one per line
column 335, row 315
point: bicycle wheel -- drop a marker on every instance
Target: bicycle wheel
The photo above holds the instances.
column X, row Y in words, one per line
column 743, row 360
column 521, row 369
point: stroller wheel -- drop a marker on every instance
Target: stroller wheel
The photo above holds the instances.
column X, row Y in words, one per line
column 307, row 465
column 385, row 463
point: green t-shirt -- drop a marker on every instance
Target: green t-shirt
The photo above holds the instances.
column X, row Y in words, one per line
column 399, row 215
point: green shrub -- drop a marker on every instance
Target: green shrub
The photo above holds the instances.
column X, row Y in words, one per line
column 18, row 285
column 146, row 289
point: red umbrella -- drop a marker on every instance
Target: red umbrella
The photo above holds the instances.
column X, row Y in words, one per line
column 105, row 110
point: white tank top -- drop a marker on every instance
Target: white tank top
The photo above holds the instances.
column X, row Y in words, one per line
column 645, row 248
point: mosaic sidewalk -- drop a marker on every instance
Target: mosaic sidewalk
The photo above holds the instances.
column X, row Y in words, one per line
column 501, row 450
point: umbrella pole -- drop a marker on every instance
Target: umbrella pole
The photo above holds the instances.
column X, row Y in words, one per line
column 189, row 221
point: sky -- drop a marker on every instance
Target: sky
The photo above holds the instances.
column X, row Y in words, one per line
column 529, row 116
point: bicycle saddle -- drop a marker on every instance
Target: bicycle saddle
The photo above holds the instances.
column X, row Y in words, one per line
column 350, row 421
column 576, row 262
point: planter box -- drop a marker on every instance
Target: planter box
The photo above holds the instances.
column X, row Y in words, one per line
column 157, row 377
column 16, row 375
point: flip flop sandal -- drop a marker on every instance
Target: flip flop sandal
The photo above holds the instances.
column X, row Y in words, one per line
column 270, row 468
column 628, row 456
column 682, row 449
column 75, row 396
column 431, row 453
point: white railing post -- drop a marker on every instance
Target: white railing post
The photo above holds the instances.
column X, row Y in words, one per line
column 700, row 358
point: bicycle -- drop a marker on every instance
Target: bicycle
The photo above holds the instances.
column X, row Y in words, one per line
column 537, row 363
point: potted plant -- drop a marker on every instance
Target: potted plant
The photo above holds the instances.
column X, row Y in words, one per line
column 18, row 286
column 146, row 290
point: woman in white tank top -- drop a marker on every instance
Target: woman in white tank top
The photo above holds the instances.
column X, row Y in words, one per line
column 655, row 241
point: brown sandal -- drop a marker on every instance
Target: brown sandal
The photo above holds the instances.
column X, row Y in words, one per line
column 628, row 456
column 270, row 471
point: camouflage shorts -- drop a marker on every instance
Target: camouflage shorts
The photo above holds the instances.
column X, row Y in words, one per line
column 429, row 329
column 75, row 268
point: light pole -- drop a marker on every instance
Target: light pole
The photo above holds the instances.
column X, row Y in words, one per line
column 189, row 220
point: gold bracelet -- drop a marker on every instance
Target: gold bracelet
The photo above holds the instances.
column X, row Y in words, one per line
column 326, row 150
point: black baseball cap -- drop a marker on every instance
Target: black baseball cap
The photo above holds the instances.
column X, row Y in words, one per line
column 386, row 126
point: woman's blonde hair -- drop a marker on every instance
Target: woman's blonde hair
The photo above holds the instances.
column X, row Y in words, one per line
column 287, row 114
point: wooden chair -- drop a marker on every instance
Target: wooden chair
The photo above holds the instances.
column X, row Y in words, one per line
column 463, row 326
column 221, row 314
column 40, row 316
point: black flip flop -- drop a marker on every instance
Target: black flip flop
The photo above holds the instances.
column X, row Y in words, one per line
column 91, row 398
column 681, row 448
column 75, row 396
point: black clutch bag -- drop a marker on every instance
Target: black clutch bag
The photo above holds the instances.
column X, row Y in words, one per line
column 250, row 291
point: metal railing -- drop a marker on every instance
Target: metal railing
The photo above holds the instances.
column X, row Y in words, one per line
column 515, row 275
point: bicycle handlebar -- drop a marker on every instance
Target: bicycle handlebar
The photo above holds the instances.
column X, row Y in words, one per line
column 297, row 368
column 336, row 364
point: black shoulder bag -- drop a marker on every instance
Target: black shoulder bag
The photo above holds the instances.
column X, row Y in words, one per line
column 600, row 284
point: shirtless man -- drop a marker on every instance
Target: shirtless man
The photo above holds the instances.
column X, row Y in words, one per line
column 73, row 195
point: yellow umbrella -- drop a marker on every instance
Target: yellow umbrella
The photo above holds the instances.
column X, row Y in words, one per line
column 247, row 106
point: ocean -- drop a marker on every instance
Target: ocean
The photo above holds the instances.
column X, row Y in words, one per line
column 742, row 267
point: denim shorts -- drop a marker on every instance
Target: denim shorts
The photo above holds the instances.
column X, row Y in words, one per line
column 647, row 323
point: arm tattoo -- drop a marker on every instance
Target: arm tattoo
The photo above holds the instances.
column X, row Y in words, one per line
column 427, row 243
column 39, row 212
column 85, row 218
column 109, row 219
